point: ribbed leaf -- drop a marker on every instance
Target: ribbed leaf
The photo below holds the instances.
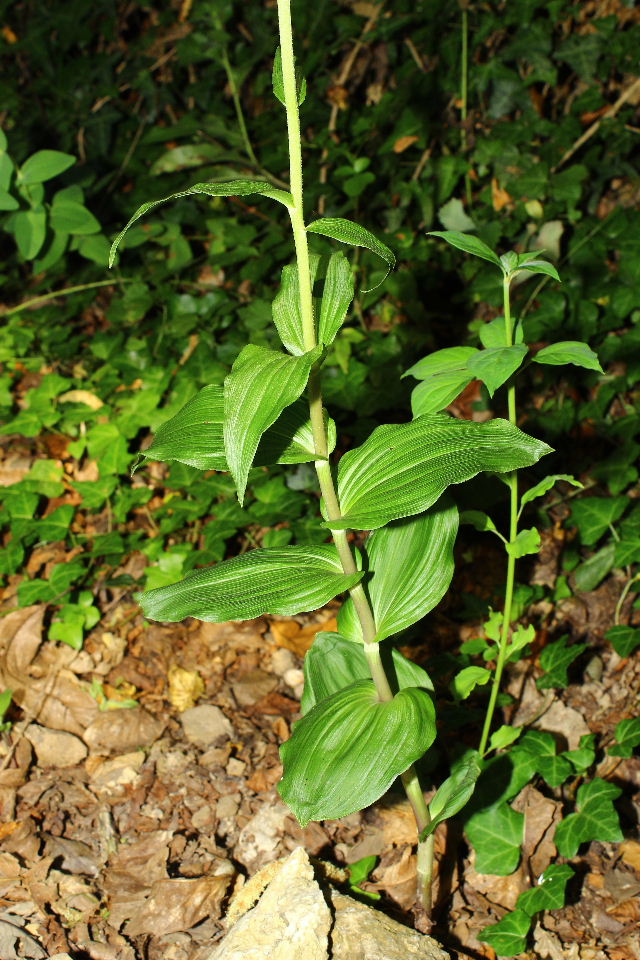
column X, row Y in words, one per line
column 332, row 286
column 468, row 243
column 280, row 580
column 333, row 662
column 229, row 188
column 262, row 383
column 194, row 435
column 410, row 566
column 352, row 233
column 441, row 361
column 345, row 753
column 402, row 469
column 454, row 793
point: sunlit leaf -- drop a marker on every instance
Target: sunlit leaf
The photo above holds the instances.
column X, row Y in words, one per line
column 352, row 233
column 332, row 288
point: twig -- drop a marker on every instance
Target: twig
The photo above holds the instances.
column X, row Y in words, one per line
column 611, row 111
column 27, row 304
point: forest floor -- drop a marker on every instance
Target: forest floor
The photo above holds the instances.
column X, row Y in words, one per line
column 138, row 785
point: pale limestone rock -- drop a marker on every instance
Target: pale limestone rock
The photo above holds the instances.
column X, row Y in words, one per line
column 295, row 920
column 55, row 748
column 205, row 724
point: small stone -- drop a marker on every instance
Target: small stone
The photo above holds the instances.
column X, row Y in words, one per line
column 236, row 768
column 55, row 748
column 253, row 686
column 205, row 724
column 282, row 660
column 227, row 806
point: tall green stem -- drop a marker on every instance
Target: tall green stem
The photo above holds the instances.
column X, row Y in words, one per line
column 464, row 91
column 323, row 468
column 512, row 480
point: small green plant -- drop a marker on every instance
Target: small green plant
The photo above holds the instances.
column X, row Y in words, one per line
column 5, row 703
column 42, row 227
column 368, row 712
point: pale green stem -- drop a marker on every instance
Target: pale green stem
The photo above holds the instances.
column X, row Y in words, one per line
column 464, row 91
column 235, row 95
column 323, row 468
column 513, row 532
column 26, row 304
column 623, row 596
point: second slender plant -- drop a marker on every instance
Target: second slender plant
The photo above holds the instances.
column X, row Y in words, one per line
column 368, row 712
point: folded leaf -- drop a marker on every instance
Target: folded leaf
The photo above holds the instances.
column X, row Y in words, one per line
column 333, row 662
column 402, row 469
column 496, row 364
column 262, row 383
column 277, row 81
column 284, row 580
column 545, row 485
column 454, row 793
column 441, row 361
column 569, row 351
column 468, row 243
column 194, row 435
column 229, row 188
column 332, row 287
column 347, row 751
column 352, row 233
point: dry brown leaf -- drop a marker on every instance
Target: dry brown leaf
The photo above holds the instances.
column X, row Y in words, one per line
column 118, row 731
column 185, row 687
column 177, row 905
column 82, row 396
column 399, row 880
column 629, row 851
column 499, row 196
column 541, row 816
column 289, row 634
column 398, row 823
column 403, row 143
column 37, row 673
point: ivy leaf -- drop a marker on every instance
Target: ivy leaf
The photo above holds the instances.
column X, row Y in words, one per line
column 550, row 891
column 454, row 793
column 554, row 770
column 261, row 384
column 336, row 228
column 332, row 288
column 545, row 485
column 347, row 751
column 590, row 573
column 229, row 188
column 508, row 937
column 495, row 365
column 333, row 663
column 585, row 755
column 468, row 243
column 402, row 469
column 496, row 833
column 569, row 351
column 596, row 819
column 411, row 566
column 555, row 661
column 285, row 580
column 624, row 640
column 627, row 737
column 627, row 552
column 594, row 515
column 526, row 542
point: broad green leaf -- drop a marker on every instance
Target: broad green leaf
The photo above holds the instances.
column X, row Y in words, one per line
column 594, row 515
column 468, row 243
column 495, row 365
column 7, row 202
column 503, row 737
column 627, row 552
column 277, row 81
column 520, row 637
column 553, row 769
column 69, row 216
column 550, row 891
column 44, row 477
column 44, row 165
column 545, row 485
column 627, row 737
column 261, row 384
column 585, row 755
column 29, row 230
column 333, row 663
column 624, row 640
column 590, row 573
column 596, row 818
column 229, row 188
column 508, row 936
column 347, row 751
column 540, row 266
column 526, row 542
column 441, row 361
column 332, row 287
column 494, row 334
column 465, row 682
column 436, row 393
column 402, row 469
column 569, row 351
column 356, row 236
column 194, row 435
column 54, row 526
column 555, row 661
column 496, row 833
column 411, row 565
column 454, row 793
column 285, row 581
